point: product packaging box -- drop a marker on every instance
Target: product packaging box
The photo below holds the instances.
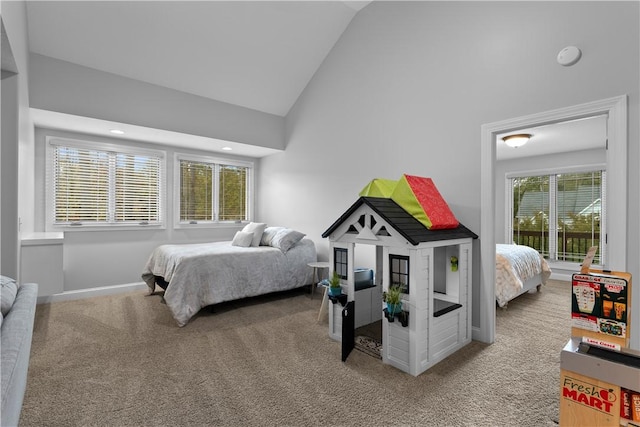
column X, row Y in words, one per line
column 600, row 307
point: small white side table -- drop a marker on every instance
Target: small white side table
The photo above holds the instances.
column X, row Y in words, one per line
column 316, row 278
column 316, row 266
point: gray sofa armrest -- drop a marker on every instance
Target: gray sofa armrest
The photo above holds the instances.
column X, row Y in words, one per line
column 15, row 349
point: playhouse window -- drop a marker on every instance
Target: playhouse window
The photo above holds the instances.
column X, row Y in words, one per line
column 340, row 263
column 399, row 271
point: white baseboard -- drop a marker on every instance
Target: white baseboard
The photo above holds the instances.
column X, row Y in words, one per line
column 93, row 292
column 560, row 276
column 476, row 334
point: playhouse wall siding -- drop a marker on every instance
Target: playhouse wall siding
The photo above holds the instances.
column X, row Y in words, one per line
column 427, row 339
column 396, row 349
column 446, row 333
column 451, row 331
column 368, row 306
column 422, row 339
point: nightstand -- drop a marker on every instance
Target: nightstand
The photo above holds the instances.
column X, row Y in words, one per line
column 318, row 265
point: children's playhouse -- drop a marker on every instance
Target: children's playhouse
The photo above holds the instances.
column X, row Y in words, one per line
column 419, row 246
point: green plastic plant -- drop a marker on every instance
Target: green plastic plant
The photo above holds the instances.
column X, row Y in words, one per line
column 393, row 295
column 334, row 282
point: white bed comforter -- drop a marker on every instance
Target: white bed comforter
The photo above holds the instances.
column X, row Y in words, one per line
column 209, row 273
column 515, row 264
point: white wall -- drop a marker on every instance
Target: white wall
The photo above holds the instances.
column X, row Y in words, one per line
column 73, row 89
column 9, row 158
column 408, row 86
column 17, row 140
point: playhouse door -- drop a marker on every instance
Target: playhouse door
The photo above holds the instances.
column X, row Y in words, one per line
column 348, row 325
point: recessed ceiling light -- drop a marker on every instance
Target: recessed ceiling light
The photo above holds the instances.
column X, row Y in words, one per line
column 117, row 131
column 227, row 148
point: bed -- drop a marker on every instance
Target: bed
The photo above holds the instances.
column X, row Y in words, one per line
column 519, row 269
column 202, row 274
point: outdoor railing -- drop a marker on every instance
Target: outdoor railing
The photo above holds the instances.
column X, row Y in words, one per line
column 573, row 246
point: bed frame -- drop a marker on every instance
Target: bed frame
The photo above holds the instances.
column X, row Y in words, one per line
column 532, row 283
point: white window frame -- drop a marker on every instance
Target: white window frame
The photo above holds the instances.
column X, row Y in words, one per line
column 50, row 224
column 553, row 226
column 217, row 161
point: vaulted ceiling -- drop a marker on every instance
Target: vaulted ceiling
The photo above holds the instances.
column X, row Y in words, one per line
column 255, row 54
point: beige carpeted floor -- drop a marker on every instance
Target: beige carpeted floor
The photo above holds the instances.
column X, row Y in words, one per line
column 122, row 361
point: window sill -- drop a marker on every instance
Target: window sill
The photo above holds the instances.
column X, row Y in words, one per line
column 569, row 266
column 186, row 225
column 120, row 227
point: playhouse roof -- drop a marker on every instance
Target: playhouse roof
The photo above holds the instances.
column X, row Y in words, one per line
column 410, row 228
column 379, row 187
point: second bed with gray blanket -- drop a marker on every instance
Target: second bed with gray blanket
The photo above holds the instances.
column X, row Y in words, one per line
column 209, row 273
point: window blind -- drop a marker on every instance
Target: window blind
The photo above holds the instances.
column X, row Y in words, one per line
column 196, row 191
column 561, row 215
column 210, row 191
column 233, row 193
column 99, row 187
column 137, row 188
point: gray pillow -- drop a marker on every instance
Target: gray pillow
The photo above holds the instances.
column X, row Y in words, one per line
column 242, row 239
column 286, row 238
column 257, row 228
column 8, row 291
column 269, row 234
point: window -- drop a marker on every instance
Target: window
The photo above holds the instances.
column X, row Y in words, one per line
column 196, row 191
column 559, row 214
column 212, row 190
column 340, row 262
column 399, row 271
column 103, row 185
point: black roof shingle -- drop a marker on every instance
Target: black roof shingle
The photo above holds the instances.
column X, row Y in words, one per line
column 404, row 223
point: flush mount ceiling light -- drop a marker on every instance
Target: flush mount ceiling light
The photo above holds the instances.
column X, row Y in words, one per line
column 116, row 131
column 516, row 140
column 227, row 148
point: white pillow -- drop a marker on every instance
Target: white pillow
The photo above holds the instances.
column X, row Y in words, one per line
column 257, row 228
column 269, row 234
column 286, row 238
column 242, row 239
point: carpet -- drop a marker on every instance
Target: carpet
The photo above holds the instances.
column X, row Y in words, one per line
column 120, row 360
